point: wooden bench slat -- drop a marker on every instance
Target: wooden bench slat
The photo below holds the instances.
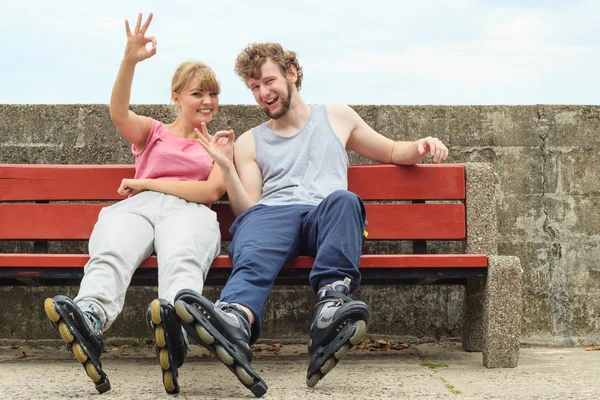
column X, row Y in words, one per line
column 416, row 221
column 393, row 182
column 386, row 221
column 32, row 182
column 67, row 221
column 51, row 182
column 223, row 261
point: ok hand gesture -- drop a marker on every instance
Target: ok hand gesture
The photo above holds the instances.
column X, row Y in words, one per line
column 219, row 146
column 136, row 43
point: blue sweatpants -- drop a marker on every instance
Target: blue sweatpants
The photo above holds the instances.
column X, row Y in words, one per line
column 265, row 238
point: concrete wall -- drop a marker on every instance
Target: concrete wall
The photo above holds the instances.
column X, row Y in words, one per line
column 548, row 191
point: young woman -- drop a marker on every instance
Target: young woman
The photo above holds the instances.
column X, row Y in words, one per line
column 167, row 212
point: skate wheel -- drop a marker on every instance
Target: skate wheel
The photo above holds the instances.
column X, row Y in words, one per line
column 159, row 336
column 50, row 311
column 204, row 335
column 244, row 376
column 65, row 333
column 224, row 355
column 184, row 314
column 313, row 380
column 359, row 332
column 341, row 353
column 155, row 312
column 92, row 372
column 328, row 366
column 164, row 359
column 78, row 353
column 169, row 382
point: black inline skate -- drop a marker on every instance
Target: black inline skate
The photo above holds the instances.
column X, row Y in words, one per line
column 169, row 341
column 83, row 334
column 338, row 324
column 224, row 330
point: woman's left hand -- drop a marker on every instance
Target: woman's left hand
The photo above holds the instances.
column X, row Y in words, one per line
column 131, row 186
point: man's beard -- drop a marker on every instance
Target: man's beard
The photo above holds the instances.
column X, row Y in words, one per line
column 285, row 104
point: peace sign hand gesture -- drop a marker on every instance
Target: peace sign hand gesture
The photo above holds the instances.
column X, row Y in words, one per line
column 136, row 50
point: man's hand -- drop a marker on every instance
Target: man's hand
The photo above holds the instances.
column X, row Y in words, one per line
column 131, row 186
column 433, row 146
column 219, row 146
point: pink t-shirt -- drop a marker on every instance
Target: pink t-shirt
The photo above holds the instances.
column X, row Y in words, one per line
column 167, row 156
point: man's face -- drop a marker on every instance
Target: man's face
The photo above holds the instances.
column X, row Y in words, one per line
column 272, row 91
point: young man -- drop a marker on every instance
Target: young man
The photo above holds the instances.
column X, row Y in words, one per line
column 287, row 183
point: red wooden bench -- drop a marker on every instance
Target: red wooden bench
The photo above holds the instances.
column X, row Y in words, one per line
column 43, row 204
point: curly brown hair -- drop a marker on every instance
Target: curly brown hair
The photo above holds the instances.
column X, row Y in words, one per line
column 251, row 59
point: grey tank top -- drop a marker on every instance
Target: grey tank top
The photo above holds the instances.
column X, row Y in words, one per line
column 303, row 168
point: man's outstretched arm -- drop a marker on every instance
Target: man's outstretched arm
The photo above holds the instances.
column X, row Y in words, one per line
column 365, row 141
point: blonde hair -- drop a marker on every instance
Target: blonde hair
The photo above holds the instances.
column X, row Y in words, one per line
column 251, row 59
column 207, row 80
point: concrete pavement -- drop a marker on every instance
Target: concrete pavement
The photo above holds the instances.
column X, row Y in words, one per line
column 423, row 371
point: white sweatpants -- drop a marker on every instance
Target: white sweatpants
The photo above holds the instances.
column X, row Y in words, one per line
column 185, row 237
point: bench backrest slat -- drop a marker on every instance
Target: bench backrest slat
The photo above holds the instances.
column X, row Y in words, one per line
column 386, row 221
column 100, row 182
column 391, row 182
column 62, row 182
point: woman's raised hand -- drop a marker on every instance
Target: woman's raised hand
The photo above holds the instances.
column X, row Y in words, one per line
column 136, row 42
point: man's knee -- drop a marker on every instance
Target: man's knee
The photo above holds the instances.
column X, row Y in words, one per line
column 344, row 196
column 345, row 200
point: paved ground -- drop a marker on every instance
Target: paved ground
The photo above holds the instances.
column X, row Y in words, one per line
column 426, row 371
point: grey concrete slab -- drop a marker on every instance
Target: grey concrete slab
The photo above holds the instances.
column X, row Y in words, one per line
column 425, row 371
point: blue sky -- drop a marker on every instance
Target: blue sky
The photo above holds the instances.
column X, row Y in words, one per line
column 355, row 52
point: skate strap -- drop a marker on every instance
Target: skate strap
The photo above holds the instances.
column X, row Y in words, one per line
column 229, row 307
column 330, row 294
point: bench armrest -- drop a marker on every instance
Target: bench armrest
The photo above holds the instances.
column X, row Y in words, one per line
column 480, row 204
